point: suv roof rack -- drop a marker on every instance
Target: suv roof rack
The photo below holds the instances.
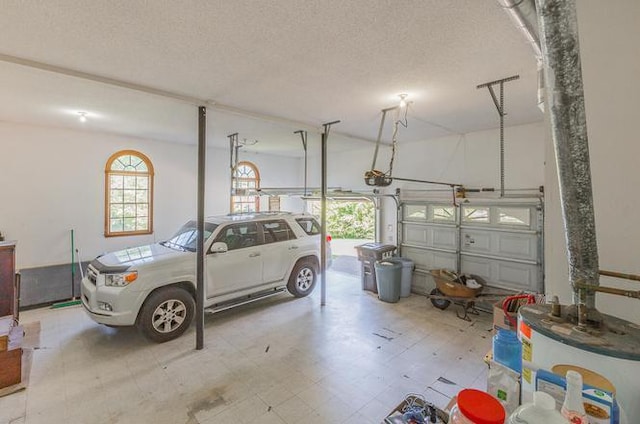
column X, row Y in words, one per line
column 258, row 214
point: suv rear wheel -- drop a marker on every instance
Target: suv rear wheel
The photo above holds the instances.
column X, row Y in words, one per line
column 303, row 278
column 166, row 314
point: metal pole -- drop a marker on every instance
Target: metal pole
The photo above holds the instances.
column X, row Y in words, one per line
column 501, row 113
column 233, row 160
column 304, row 136
column 305, row 162
column 458, row 212
column 375, row 152
column 323, row 215
column 620, row 275
column 502, row 139
column 412, row 180
column 563, row 74
column 202, row 150
column 323, row 221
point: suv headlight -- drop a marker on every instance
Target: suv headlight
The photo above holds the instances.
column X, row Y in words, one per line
column 120, row 280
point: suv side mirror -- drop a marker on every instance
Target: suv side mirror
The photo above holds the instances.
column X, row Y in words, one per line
column 219, row 247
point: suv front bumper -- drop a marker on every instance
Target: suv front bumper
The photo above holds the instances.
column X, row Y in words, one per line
column 124, row 308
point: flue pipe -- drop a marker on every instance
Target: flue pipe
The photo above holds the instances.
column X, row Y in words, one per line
column 523, row 15
column 563, row 75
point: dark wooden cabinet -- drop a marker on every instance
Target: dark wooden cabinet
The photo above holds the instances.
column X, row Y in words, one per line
column 8, row 282
column 10, row 332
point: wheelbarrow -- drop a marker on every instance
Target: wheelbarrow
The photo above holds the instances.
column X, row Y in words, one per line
column 451, row 288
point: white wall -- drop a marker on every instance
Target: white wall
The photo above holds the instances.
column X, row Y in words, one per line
column 276, row 172
column 610, row 53
column 471, row 159
column 52, row 181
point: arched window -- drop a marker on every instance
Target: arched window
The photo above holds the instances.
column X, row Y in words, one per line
column 246, row 176
column 128, row 194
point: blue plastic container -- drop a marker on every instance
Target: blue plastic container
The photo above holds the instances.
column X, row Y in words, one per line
column 507, row 349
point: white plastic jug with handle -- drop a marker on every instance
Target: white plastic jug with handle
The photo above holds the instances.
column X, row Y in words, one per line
column 542, row 410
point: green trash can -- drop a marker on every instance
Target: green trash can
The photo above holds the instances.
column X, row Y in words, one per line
column 388, row 276
column 407, row 274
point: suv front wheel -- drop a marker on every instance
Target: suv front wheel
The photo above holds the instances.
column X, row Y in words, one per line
column 166, row 314
column 303, row 278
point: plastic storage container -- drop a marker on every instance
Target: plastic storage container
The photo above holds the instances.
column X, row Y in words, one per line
column 407, row 274
column 542, row 410
column 388, row 275
column 507, row 349
column 476, row 407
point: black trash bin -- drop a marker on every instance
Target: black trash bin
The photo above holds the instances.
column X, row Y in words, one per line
column 368, row 254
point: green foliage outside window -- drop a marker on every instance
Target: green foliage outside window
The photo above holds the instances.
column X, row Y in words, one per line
column 351, row 220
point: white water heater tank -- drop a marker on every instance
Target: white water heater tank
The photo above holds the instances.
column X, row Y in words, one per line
column 612, row 351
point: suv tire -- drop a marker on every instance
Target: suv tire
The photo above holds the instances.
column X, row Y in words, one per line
column 303, row 278
column 166, row 314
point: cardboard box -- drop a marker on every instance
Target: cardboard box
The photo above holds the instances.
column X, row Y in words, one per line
column 500, row 320
column 6, row 324
column 10, row 367
column 395, row 416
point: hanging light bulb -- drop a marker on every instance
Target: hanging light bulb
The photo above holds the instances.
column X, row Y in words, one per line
column 403, row 102
column 83, row 116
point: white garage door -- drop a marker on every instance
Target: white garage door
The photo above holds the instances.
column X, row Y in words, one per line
column 497, row 239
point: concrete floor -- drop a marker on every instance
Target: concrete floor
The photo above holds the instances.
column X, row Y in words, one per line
column 281, row 360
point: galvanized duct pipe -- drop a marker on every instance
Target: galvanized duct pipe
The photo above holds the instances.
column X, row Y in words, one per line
column 563, row 76
column 524, row 16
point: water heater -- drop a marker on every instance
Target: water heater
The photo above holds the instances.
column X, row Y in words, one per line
column 612, row 350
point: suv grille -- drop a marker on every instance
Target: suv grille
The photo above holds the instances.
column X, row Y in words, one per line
column 92, row 274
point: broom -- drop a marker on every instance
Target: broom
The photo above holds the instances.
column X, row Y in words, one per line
column 74, row 254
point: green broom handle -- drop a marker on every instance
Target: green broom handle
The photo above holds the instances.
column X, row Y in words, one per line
column 73, row 267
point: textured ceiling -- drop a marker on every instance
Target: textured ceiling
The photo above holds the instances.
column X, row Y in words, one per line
column 303, row 61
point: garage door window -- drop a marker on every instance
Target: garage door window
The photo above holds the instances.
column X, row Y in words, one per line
column 128, row 194
column 514, row 216
column 245, row 177
column 415, row 212
column 443, row 213
column 475, row 214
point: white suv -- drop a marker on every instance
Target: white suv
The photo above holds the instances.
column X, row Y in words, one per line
column 248, row 257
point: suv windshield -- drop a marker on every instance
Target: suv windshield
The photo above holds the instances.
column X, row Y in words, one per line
column 187, row 236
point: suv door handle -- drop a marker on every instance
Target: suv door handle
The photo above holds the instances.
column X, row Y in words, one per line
column 254, row 254
column 293, row 247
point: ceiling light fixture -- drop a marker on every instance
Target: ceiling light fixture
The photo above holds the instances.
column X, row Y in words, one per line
column 246, row 142
column 403, row 102
column 83, row 116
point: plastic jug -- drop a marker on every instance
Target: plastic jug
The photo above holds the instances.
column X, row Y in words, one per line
column 542, row 410
column 476, row 407
column 507, row 349
column 573, row 406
